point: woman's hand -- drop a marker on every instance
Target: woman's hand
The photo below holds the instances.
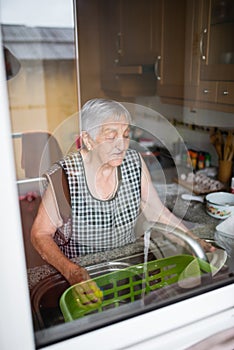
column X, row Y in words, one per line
column 206, row 246
column 77, row 274
column 86, row 292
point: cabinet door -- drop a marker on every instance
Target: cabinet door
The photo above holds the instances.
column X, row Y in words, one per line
column 130, row 31
column 172, row 57
column 192, row 50
column 140, row 26
column 128, row 41
column 225, row 94
column 216, row 41
column 109, row 28
column 207, row 91
column 204, row 87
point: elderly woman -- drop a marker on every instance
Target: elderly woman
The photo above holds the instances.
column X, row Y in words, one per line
column 109, row 186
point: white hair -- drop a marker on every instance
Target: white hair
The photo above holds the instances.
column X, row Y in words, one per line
column 96, row 111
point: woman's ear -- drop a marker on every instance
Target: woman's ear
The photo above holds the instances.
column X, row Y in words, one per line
column 87, row 140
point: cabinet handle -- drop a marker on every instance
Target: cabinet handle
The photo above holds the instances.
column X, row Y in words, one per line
column 205, row 91
column 225, row 92
column 119, row 43
column 156, row 69
column 203, row 56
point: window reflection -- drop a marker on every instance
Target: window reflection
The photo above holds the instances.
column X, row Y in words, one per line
column 39, row 51
column 43, row 93
column 43, row 104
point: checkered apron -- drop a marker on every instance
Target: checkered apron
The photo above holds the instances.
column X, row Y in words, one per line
column 99, row 225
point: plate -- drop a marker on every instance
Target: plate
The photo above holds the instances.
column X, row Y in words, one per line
column 191, row 277
column 217, row 259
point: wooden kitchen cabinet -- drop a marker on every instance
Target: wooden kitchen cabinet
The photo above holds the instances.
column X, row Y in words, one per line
column 225, row 93
column 130, row 42
column 216, row 92
column 212, row 95
column 139, row 32
column 142, row 47
column 170, row 73
column 217, row 40
column 207, row 91
column 209, row 82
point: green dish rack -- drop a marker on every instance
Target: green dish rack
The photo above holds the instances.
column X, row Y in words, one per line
column 130, row 284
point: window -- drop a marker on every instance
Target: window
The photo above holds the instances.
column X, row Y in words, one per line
column 46, row 87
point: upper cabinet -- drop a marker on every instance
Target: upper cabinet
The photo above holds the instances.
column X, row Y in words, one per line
column 142, row 47
column 181, row 51
column 209, row 55
column 217, row 40
column 130, row 42
column 171, row 59
column 137, row 32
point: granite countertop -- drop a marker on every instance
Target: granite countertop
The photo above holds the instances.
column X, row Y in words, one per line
column 36, row 274
column 191, row 211
column 193, row 214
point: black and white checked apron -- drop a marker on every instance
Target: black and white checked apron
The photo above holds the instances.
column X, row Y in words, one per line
column 99, row 225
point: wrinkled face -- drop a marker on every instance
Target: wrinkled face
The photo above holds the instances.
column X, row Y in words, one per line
column 112, row 141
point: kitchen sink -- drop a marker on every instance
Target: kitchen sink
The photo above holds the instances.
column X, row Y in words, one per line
column 45, row 295
column 50, row 325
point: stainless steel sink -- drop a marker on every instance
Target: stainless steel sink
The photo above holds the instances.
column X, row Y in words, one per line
column 45, row 296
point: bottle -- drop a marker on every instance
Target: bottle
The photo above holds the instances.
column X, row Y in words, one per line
column 193, row 158
column 232, row 185
column 184, row 159
column 207, row 160
column 201, row 161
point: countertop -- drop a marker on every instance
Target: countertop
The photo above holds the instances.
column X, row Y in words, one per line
column 193, row 214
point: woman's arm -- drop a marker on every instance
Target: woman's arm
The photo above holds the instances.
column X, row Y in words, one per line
column 42, row 233
column 154, row 210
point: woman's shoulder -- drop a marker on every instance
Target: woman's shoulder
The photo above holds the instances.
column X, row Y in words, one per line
column 132, row 154
column 132, row 151
column 70, row 157
column 52, row 170
column 132, row 159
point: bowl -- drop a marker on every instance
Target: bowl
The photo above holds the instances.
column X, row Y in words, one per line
column 220, row 205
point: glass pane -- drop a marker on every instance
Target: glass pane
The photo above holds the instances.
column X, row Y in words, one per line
column 41, row 68
column 222, row 32
column 42, row 85
column 39, row 48
column 156, row 268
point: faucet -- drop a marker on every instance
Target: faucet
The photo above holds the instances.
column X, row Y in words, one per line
column 194, row 245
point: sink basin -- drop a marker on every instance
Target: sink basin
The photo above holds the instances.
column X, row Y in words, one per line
column 46, row 295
